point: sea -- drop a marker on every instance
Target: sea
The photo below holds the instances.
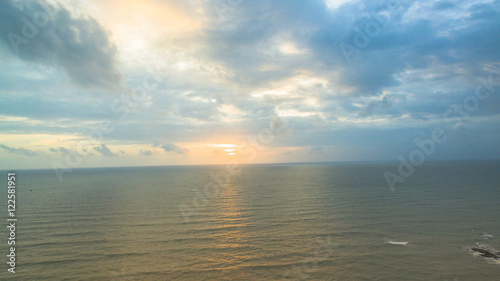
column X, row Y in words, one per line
column 318, row 221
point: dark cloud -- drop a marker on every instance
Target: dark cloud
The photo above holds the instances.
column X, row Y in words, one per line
column 405, row 42
column 374, row 106
column 39, row 32
column 22, row 151
column 105, row 151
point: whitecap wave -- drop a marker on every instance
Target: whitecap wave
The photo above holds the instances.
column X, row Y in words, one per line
column 486, row 236
column 397, row 243
column 493, row 261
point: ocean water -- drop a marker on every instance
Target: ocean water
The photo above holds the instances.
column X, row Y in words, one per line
column 269, row 222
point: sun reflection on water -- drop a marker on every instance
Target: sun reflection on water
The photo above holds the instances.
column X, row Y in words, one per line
column 232, row 243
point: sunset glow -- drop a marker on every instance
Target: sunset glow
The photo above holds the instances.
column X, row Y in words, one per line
column 161, row 82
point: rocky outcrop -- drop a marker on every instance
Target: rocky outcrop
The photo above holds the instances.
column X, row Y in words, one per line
column 486, row 251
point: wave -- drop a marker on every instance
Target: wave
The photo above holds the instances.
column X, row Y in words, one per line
column 486, row 235
column 397, row 243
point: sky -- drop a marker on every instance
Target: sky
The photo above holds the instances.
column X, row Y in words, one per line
column 88, row 83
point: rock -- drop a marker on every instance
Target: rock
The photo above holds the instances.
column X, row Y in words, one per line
column 486, row 251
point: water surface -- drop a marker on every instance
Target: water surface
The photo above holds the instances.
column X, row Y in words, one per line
column 270, row 222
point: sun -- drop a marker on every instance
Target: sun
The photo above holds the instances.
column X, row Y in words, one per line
column 228, row 149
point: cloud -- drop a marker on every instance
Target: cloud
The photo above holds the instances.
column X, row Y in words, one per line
column 443, row 5
column 70, row 152
column 446, row 37
column 146, row 152
column 316, row 150
column 226, row 77
column 22, row 151
column 172, row 148
column 39, row 32
column 374, row 106
column 105, row 151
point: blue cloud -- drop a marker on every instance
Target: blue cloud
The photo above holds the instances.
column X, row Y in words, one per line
column 22, row 151
column 39, row 32
column 105, row 151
